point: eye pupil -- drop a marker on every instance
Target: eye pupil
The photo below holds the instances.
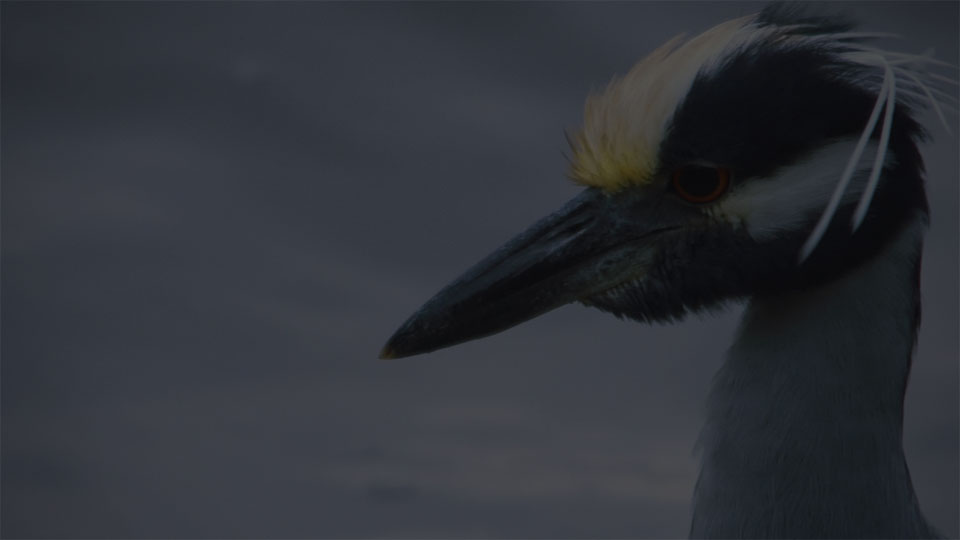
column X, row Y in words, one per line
column 700, row 184
column 699, row 181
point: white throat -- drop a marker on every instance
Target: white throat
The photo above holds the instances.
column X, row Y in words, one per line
column 804, row 427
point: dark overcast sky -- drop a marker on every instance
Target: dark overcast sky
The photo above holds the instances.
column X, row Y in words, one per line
column 214, row 215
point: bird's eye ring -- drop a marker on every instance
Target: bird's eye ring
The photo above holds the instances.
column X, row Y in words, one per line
column 699, row 184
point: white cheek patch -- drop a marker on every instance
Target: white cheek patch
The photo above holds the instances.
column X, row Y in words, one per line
column 798, row 193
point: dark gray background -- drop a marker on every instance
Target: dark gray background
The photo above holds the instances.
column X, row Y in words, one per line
column 215, row 214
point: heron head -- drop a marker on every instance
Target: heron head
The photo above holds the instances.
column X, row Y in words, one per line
column 771, row 152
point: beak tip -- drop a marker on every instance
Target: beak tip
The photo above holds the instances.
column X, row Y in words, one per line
column 387, row 353
column 406, row 341
column 396, row 347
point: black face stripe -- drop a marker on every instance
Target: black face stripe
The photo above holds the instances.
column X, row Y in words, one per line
column 764, row 108
column 773, row 103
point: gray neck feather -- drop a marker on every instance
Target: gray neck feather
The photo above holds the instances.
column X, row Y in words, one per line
column 804, row 427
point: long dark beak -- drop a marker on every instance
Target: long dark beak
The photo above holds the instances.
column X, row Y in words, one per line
column 595, row 242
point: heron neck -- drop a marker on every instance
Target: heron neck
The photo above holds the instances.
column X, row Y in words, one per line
column 804, row 428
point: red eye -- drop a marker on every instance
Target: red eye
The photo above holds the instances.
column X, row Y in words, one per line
column 698, row 184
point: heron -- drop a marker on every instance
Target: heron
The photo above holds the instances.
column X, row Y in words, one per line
column 772, row 160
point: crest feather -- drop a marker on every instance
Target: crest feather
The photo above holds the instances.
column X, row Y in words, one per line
column 624, row 125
